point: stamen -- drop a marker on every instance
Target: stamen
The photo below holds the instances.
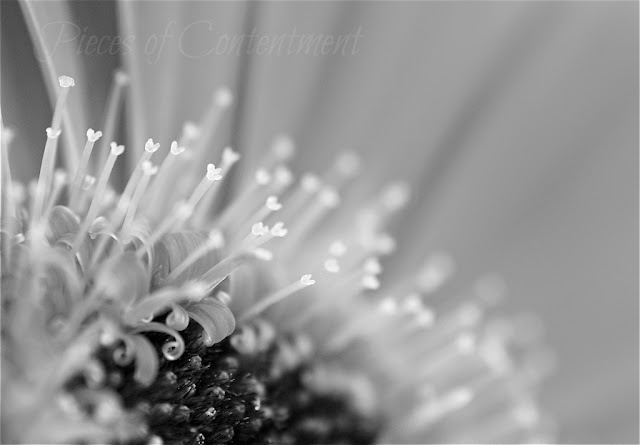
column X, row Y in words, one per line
column 212, row 175
column 282, row 150
column 180, row 213
column 148, row 170
column 149, row 149
column 395, row 196
column 8, row 206
column 345, row 167
column 242, row 205
column 50, row 148
column 40, row 43
column 331, row 265
column 271, row 205
column 81, row 173
column 164, row 184
column 261, row 234
column 276, row 297
column 327, row 199
column 229, row 158
column 435, row 272
column 59, row 181
column 112, row 112
column 337, row 248
column 92, row 213
column 308, row 185
column 222, row 100
column 218, row 273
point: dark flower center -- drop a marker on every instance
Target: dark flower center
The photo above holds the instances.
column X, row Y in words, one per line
column 243, row 390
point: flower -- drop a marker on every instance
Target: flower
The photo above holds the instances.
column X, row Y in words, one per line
column 143, row 288
column 120, row 310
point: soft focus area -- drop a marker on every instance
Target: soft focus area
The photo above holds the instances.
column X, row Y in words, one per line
column 516, row 124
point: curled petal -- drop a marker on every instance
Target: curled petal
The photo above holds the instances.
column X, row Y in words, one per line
column 173, row 349
column 172, row 249
column 61, row 221
column 178, row 318
column 99, row 225
column 63, row 285
column 245, row 340
column 124, row 355
column 146, row 360
column 216, row 319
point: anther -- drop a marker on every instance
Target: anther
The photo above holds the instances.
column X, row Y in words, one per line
column 176, row 149
column 223, row 97
column 150, row 146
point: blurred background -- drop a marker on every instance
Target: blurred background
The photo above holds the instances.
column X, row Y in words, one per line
column 515, row 122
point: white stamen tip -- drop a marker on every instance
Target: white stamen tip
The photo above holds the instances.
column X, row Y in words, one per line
column 183, row 211
column 310, row 182
column 436, row 270
column 372, row 266
column 150, row 146
column 273, row 204
column 331, row 265
column 412, row 303
column 190, row 131
column 121, row 78
column 306, row 280
column 53, row 134
column 223, row 97
column 337, row 248
column 396, row 196
column 229, row 156
column 283, row 147
column 149, row 169
column 88, row 182
column 59, row 177
column 263, row 254
column 370, row 282
column 262, row 177
column 213, row 173
column 66, row 81
column 93, row 136
column 348, row 163
column 216, row 239
column 283, row 176
column 329, row 197
column 278, row 230
column 259, row 229
column 425, row 317
column 116, row 149
column 176, row 149
column 388, row 306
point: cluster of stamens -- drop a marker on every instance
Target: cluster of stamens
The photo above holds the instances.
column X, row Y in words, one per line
column 131, row 299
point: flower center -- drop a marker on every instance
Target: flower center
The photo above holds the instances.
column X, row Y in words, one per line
column 256, row 386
